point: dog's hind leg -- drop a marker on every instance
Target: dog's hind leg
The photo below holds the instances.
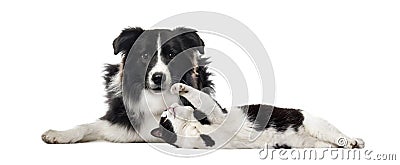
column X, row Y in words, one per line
column 99, row 130
column 325, row 131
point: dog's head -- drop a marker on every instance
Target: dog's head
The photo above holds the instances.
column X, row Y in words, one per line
column 156, row 59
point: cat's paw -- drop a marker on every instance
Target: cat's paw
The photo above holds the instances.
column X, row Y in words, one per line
column 179, row 88
column 179, row 107
column 354, row 143
column 357, row 143
column 174, row 105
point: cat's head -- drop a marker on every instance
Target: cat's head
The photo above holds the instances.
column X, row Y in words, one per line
column 172, row 124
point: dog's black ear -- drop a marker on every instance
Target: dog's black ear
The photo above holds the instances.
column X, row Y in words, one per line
column 191, row 38
column 125, row 40
column 156, row 132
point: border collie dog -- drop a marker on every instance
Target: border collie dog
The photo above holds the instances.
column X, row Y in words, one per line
column 138, row 88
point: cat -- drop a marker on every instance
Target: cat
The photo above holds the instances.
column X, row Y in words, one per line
column 205, row 125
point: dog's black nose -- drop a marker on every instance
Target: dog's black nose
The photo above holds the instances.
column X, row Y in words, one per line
column 157, row 78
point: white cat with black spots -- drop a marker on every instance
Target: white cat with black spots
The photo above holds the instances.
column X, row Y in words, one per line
column 204, row 124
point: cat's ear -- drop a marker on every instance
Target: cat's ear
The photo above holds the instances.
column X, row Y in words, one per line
column 156, row 132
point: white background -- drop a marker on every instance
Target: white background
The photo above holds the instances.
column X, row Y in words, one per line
column 336, row 59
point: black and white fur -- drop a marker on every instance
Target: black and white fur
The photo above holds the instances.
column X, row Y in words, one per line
column 204, row 124
column 138, row 88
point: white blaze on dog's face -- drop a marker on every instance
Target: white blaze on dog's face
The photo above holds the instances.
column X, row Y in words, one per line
column 158, row 77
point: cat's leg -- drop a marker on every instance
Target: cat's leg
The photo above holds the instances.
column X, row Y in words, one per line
column 292, row 138
column 203, row 104
column 324, row 131
column 99, row 130
column 314, row 142
column 307, row 141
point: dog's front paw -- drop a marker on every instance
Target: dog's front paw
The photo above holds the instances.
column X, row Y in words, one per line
column 58, row 137
column 179, row 88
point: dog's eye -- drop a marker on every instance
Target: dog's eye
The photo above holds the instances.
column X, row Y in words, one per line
column 145, row 56
column 171, row 54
